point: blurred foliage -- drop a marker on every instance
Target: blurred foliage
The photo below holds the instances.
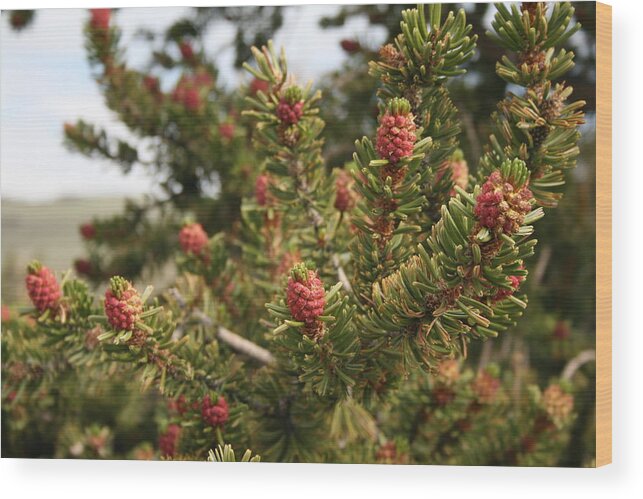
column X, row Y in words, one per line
column 190, row 135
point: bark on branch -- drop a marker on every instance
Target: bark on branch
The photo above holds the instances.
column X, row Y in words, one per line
column 577, row 362
column 237, row 343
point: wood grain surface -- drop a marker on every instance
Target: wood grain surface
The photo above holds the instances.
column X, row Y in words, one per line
column 603, row 234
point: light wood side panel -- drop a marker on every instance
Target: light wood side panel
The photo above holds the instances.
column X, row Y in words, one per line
column 603, row 234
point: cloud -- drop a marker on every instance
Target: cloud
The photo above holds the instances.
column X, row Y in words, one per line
column 45, row 81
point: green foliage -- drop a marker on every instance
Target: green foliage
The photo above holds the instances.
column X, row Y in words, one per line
column 226, row 455
column 358, row 356
column 539, row 127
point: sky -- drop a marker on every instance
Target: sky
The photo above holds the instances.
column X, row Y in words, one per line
column 45, row 81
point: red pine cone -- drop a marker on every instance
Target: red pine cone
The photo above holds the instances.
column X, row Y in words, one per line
column 288, row 113
column 123, row 305
column 561, row 331
column 168, row 441
column 42, row 287
column 500, row 207
column 514, row 281
column 291, row 106
column 443, row 395
column 203, row 79
column 6, row 313
column 350, row 46
column 187, row 52
column 151, row 83
column 188, row 90
column 193, row 239
column 386, row 452
column 305, row 294
column 344, row 199
column 226, row 131
column 83, row 267
column 88, row 231
column 457, row 170
column 100, row 18
column 192, row 99
column 396, row 135
column 460, row 173
column 20, row 18
column 178, row 405
column 214, row 414
column 261, row 189
column 258, row 85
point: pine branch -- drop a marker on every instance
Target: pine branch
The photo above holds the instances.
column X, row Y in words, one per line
column 539, row 127
column 576, row 363
column 238, row 343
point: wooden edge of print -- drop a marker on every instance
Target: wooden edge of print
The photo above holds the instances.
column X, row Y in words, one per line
column 603, row 234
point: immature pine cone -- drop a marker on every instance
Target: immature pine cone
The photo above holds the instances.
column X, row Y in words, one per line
column 396, row 132
column 168, row 441
column 226, row 131
column 123, row 305
column 186, row 50
column 291, row 106
column 192, row 99
column 258, row 85
column 500, row 207
column 6, row 313
column 83, row 267
column 42, row 287
column 386, row 452
column 188, row 90
column 100, row 19
column 443, row 395
column 515, row 281
column 151, row 83
column 305, row 295
column 261, row 189
column 20, row 18
column 193, row 239
column 88, row 231
column 178, row 405
column 203, row 79
column 214, row 414
column 350, row 46
column 561, row 331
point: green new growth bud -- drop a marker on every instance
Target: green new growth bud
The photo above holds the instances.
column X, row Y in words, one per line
column 118, row 284
column 515, row 172
column 397, row 106
column 34, row 267
column 300, row 272
column 293, row 94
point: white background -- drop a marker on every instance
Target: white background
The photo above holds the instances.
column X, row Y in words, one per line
column 52, row 479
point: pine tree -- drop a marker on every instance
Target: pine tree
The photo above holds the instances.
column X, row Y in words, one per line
column 336, row 322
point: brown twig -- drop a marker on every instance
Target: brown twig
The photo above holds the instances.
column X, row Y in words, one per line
column 576, row 363
column 238, row 343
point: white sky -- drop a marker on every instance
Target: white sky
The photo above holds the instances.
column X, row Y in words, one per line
column 45, row 80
